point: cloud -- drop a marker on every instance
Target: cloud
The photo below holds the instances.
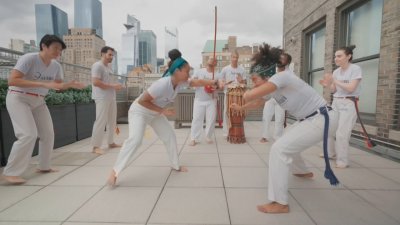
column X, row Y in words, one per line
column 252, row 21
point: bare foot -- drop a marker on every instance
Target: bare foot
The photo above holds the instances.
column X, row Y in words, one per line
column 341, row 166
column 97, row 150
column 112, row 179
column 192, row 143
column 273, row 207
column 47, row 171
column 321, row 155
column 209, row 141
column 263, row 140
column 114, row 145
column 304, row 175
column 14, row 180
column 182, row 169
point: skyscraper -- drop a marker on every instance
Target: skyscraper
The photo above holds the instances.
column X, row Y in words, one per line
column 147, row 48
column 88, row 15
column 171, row 40
column 129, row 55
column 50, row 20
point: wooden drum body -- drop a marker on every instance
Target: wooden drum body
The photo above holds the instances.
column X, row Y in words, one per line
column 235, row 118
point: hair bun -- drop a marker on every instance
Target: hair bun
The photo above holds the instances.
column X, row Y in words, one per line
column 174, row 54
column 351, row 47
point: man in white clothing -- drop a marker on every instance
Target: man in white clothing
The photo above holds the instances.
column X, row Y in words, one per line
column 103, row 93
column 29, row 82
column 231, row 74
column 205, row 104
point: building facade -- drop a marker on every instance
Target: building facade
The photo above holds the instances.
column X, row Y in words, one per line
column 88, row 14
column 147, row 48
column 129, row 55
column 314, row 29
column 21, row 46
column 83, row 47
column 50, row 20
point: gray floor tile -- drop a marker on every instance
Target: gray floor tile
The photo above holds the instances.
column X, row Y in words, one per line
column 241, row 160
column 73, row 158
column 386, row 201
column 85, row 176
column 10, row 195
column 199, row 160
column 119, row 205
column 245, row 177
column 143, row 176
column 196, row 177
column 328, row 207
column 360, row 178
column 191, row 206
column 243, row 209
column 49, row 204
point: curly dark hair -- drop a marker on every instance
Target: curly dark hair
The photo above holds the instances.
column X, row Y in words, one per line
column 267, row 56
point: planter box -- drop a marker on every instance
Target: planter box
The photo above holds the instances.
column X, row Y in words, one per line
column 7, row 137
column 85, row 117
column 64, row 122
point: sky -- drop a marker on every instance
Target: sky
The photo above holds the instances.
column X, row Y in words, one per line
column 252, row 21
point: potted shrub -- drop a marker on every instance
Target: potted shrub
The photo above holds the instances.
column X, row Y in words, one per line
column 85, row 112
column 62, row 109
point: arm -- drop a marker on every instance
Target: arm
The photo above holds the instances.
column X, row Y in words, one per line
column 100, row 84
column 201, row 82
column 147, row 101
column 349, row 87
column 254, row 104
column 71, row 84
column 258, row 92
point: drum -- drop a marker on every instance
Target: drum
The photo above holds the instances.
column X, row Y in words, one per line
column 235, row 118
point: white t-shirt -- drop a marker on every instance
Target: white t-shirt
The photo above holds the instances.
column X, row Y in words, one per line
column 102, row 72
column 353, row 72
column 295, row 95
column 201, row 94
column 34, row 69
column 229, row 73
column 163, row 91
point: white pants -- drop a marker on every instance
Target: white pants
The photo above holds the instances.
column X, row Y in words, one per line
column 139, row 117
column 106, row 117
column 31, row 119
column 201, row 109
column 271, row 107
column 347, row 118
column 285, row 152
column 225, row 128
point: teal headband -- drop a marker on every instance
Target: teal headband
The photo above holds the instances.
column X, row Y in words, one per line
column 264, row 71
column 177, row 64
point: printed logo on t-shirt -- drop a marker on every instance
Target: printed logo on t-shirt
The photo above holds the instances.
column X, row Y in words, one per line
column 346, row 81
column 39, row 76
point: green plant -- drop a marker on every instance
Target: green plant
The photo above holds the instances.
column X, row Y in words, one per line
column 54, row 98
column 3, row 92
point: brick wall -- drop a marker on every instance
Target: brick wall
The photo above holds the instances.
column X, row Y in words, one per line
column 301, row 15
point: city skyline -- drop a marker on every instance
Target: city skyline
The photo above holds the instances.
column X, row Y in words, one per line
column 260, row 21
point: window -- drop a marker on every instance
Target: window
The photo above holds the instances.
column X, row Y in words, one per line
column 314, row 57
column 361, row 26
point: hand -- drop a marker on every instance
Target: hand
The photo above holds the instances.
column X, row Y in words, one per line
column 236, row 107
column 168, row 112
column 117, row 86
column 327, row 80
column 75, row 84
column 53, row 85
column 239, row 78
